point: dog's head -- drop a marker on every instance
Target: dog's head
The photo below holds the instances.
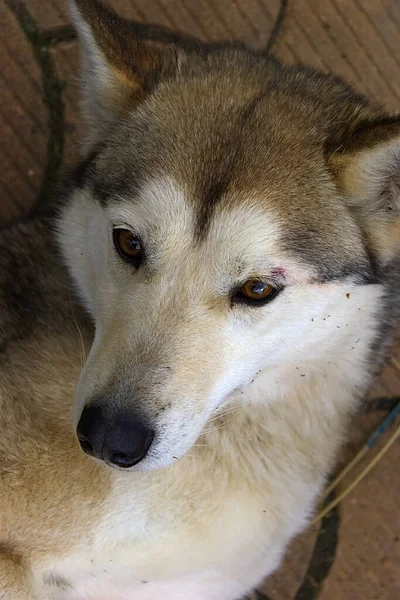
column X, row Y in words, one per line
column 225, row 207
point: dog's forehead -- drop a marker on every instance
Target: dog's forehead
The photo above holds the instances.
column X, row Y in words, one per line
column 242, row 238
column 229, row 152
column 162, row 208
column 253, row 224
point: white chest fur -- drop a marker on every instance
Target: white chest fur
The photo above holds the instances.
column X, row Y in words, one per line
column 188, row 540
column 217, row 521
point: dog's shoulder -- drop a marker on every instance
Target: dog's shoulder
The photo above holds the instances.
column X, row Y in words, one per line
column 35, row 292
column 44, row 335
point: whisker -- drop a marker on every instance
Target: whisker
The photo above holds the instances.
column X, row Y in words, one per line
column 220, row 427
column 80, row 337
column 67, row 287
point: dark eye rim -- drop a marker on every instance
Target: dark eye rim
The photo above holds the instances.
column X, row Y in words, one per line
column 238, row 298
column 133, row 260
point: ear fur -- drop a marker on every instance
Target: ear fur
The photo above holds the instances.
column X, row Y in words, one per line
column 122, row 62
column 366, row 168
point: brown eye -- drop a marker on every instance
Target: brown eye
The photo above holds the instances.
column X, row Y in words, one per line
column 255, row 291
column 128, row 245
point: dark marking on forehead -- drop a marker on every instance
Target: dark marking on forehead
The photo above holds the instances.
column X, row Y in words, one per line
column 118, row 174
column 113, row 182
column 107, row 172
column 209, row 199
column 332, row 262
column 219, row 170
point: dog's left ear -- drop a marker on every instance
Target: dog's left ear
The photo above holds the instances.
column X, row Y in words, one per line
column 122, row 62
column 366, row 168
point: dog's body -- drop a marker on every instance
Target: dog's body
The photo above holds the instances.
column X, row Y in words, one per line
column 210, row 526
column 226, row 169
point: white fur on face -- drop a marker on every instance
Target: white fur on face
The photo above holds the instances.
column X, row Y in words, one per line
column 168, row 334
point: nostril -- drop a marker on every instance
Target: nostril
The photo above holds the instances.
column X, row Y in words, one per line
column 124, row 461
column 91, row 430
column 86, row 445
column 138, row 447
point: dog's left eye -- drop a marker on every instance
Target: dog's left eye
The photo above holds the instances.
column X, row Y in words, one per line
column 128, row 245
column 255, row 291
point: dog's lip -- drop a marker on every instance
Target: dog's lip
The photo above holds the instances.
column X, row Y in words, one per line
column 116, row 468
column 138, row 467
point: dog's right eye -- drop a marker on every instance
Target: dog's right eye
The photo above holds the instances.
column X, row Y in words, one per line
column 255, row 292
column 128, row 246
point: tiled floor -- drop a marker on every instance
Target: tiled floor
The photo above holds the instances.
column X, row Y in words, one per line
column 357, row 39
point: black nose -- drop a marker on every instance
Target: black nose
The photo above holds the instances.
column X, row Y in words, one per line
column 119, row 438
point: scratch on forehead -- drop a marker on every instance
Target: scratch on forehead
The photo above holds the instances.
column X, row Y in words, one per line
column 278, row 273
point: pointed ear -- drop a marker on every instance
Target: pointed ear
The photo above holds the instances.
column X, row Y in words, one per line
column 366, row 168
column 122, row 62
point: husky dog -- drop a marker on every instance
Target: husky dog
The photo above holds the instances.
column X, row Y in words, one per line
column 233, row 234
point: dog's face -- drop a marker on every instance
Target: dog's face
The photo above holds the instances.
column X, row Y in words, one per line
column 224, row 207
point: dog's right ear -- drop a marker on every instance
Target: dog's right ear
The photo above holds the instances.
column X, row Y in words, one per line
column 122, row 62
column 365, row 165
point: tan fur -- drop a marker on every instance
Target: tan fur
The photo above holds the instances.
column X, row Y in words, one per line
column 35, row 420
